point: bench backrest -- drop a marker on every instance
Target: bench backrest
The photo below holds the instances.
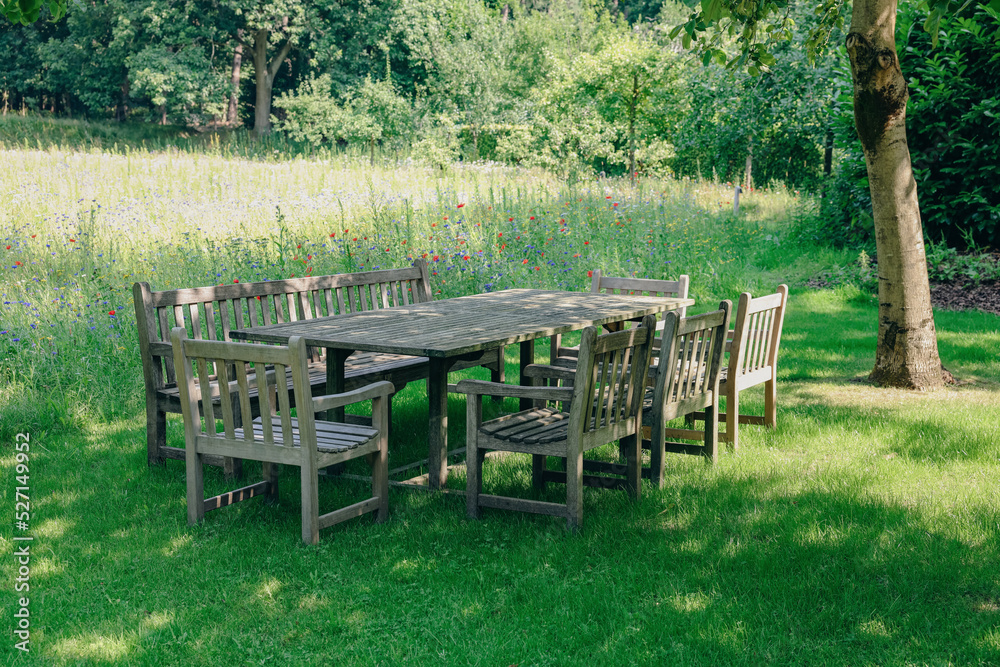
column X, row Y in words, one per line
column 756, row 335
column 210, row 313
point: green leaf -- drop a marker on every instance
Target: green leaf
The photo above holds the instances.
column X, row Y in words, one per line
column 711, row 10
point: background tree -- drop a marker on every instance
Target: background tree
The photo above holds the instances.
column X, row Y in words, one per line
column 906, row 353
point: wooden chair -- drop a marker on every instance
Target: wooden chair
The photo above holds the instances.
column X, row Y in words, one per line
column 685, row 380
column 753, row 359
column 666, row 288
column 604, row 406
column 273, row 438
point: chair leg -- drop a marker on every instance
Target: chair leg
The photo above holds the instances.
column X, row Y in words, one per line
column 538, row 471
column 195, row 487
column 633, row 465
column 771, row 403
column 271, row 471
column 498, row 374
column 473, row 479
column 732, row 420
column 380, row 459
column 574, row 489
column 657, row 454
column 473, row 457
column 310, row 500
column 156, row 433
column 712, row 431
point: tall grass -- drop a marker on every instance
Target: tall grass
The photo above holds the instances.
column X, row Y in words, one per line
column 77, row 228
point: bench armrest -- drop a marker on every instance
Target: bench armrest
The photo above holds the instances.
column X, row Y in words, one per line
column 368, row 392
column 481, row 388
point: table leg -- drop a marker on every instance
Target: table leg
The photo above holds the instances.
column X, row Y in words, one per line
column 335, row 383
column 527, row 358
column 437, row 434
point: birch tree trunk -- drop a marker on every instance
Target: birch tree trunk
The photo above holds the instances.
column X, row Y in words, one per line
column 906, row 354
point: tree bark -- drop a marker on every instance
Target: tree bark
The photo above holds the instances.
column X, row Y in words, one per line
column 265, row 72
column 232, row 113
column 633, row 105
column 906, row 354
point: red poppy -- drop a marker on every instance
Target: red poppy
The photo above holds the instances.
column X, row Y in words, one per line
column 538, row 268
column 8, row 247
column 590, row 274
column 17, row 263
column 445, row 217
column 524, row 261
column 435, row 258
column 332, row 235
column 72, row 240
column 586, row 243
column 299, row 245
column 461, row 205
column 236, row 280
column 510, row 219
column 111, row 313
column 465, row 257
column 33, row 235
column 531, row 218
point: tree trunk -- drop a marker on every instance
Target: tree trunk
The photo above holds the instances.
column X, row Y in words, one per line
column 748, row 171
column 906, row 354
column 163, row 114
column 828, row 153
column 121, row 109
column 631, row 125
column 232, row 114
column 265, row 72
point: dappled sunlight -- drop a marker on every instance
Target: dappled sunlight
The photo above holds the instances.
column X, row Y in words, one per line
column 53, row 528
column 875, row 629
column 94, row 646
column 157, row 620
column 177, row 544
column 267, row 589
column 313, row 602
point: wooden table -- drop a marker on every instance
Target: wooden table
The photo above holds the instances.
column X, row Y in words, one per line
column 450, row 330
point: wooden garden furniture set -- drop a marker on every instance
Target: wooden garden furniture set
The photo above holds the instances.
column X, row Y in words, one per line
column 620, row 386
column 211, row 313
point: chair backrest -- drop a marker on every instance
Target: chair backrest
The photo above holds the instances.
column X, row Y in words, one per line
column 211, row 312
column 686, row 378
column 609, row 383
column 222, row 367
column 753, row 352
column 667, row 288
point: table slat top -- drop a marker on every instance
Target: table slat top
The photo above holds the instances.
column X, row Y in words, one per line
column 467, row 324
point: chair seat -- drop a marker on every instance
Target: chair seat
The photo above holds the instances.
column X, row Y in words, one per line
column 534, row 426
column 331, row 437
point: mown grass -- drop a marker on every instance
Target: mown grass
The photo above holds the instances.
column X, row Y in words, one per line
column 864, row 530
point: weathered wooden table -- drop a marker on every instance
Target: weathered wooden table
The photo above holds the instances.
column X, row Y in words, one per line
column 450, row 330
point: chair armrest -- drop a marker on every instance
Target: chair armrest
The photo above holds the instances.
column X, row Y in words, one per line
column 557, row 371
column 483, row 388
column 333, row 401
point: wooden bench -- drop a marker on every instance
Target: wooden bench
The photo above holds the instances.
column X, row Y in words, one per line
column 210, row 313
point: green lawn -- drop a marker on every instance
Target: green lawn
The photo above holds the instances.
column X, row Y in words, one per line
column 865, row 529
